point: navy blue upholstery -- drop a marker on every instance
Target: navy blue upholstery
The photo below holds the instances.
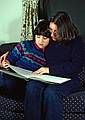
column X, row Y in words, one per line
column 11, row 109
column 74, row 106
column 6, row 47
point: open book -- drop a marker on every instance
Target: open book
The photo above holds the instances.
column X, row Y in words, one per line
column 27, row 75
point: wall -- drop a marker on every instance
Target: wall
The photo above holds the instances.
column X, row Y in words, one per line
column 76, row 8
column 10, row 20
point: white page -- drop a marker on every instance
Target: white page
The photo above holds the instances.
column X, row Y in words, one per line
column 21, row 71
column 6, row 71
column 43, row 78
column 49, row 78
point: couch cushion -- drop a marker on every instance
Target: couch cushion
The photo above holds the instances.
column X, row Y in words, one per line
column 73, row 116
column 8, row 115
column 75, row 103
column 10, row 104
column 6, row 47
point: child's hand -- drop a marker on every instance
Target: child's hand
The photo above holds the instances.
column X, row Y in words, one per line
column 5, row 64
column 3, row 57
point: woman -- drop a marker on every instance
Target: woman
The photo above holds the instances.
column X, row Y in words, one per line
column 64, row 57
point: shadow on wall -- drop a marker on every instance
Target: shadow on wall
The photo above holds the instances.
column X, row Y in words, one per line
column 75, row 8
column 14, row 30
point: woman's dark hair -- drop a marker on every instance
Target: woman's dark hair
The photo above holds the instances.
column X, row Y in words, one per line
column 66, row 28
column 42, row 28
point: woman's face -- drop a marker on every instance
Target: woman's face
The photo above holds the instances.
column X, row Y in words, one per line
column 41, row 41
column 54, row 31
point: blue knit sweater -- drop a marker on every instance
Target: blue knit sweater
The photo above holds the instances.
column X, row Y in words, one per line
column 65, row 60
column 27, row 55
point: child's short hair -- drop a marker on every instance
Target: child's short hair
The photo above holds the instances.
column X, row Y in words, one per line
column 42, row 28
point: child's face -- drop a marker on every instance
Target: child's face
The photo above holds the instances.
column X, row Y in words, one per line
column 41, row 41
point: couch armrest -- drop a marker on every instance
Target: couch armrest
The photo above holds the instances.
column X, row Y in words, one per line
column 6, row 47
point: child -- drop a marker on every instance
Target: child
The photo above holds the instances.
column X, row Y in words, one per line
column 27, row 54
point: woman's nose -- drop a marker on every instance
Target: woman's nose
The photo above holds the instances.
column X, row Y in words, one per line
column 52, row 34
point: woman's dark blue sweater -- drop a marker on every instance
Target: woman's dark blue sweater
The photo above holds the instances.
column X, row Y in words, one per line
column 66, row 59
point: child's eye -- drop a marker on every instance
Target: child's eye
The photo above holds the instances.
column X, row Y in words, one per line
column 45, row 37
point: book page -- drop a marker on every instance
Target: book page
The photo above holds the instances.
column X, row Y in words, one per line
column 49, row 78
column 21, row 71
column 44, row 78
column 12, row 73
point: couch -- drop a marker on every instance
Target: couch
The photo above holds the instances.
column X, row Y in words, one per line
column 12, row 108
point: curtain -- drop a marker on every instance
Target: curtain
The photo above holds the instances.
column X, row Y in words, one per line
column 29, row 18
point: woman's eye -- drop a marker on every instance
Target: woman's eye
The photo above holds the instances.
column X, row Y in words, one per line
column 50, row 30
column 38, row 36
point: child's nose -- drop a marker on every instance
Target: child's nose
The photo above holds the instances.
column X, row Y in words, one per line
column 41, row 40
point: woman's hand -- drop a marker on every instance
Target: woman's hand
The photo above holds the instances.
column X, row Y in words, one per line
column 3, row 58
column 42, row 70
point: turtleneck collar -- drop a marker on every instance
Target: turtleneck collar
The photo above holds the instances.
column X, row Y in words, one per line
column 38, row 48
